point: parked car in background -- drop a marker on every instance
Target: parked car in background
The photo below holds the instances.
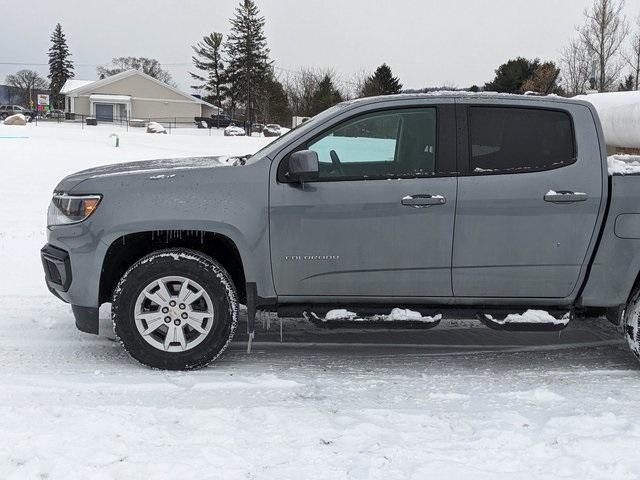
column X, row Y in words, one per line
column 214, row 121
column 272, row 130
column 257, row 127
column 8, row 110
column 234, row 131
column 501, row 208
column 221, row 120
column 55, row 113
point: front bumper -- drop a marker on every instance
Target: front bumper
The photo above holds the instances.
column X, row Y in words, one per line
column 59, row 276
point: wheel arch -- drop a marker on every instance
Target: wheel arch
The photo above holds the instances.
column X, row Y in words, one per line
column 128, row 248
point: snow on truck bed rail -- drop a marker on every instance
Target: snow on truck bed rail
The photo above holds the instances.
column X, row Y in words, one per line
column 624, row 164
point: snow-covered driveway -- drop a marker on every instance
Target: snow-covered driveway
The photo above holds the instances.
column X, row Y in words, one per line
column 75, row 406
column 456, row 402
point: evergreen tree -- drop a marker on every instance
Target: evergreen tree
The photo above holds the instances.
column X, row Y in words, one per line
column 60, row 67
column 208, row 58
column 511, row 76
column 325, row 96
column 382, row 82
column 273, row 103
column 248, row 56
column 628, row 85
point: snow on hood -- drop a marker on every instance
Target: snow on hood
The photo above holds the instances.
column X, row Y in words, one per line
column 157, row 169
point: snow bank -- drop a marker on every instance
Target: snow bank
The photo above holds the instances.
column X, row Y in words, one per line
column 624, row 165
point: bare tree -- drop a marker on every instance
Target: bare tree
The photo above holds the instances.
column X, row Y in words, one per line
column 358, row 81
column 576, row 67
column 27, row 82
column 603, row 34
column 632, row 57
column 300, row 87
column 150, row 66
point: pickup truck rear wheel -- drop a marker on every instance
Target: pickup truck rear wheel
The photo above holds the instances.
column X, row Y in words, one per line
column 632, row 323
column 175, row 309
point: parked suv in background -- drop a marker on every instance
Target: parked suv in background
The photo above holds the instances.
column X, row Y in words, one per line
column 214, row 121
column 394, row 209
column 8, row 110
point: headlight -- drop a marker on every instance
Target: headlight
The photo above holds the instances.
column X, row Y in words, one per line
column 66, row 209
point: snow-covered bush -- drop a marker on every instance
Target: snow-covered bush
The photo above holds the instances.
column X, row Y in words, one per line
column 17, row 119
column 155, row 127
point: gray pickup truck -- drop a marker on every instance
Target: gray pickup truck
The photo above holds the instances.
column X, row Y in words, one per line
column 388, row 211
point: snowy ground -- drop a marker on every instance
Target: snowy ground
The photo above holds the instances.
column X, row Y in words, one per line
column 455, row 402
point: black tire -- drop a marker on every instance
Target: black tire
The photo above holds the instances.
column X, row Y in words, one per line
column 632, row 323
column 192, row 265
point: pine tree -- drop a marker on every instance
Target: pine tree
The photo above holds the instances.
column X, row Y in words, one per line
column 248, row 56
column 273, row 103
column 628, row 85
column 208, row 58
column 382, row 82
column 512, row 75
column 60, row 67
column 325, row 96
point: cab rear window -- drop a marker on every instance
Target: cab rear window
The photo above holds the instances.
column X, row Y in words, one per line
column 511, row 140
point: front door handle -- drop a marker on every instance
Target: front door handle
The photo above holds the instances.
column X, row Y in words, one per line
column 419, row 201
column 565, row 196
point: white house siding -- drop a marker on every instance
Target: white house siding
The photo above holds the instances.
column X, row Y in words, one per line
column 182, row 111
column 82, row 105
column 138, row 86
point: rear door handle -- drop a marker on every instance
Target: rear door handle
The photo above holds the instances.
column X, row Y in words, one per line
column 418, row 201
column 565, row 196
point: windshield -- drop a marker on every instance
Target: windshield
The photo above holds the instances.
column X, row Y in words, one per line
column 300, row 129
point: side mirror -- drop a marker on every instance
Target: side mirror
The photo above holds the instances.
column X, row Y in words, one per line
column 303, row 166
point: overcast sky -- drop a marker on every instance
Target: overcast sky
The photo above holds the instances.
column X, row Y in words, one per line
column 426, row 42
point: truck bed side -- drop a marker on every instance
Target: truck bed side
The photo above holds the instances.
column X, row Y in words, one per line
column 616, row 263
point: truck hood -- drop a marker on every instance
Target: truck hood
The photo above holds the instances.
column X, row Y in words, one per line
column 154, row 169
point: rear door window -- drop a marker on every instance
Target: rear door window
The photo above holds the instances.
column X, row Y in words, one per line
column 519, row 140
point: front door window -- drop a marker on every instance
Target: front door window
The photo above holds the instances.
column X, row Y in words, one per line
column 389, row 144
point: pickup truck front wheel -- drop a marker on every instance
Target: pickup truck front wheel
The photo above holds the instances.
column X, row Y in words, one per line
column 175, row 309
column 632, row 323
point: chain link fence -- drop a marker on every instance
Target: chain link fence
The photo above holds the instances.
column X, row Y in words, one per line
column 170, row 124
